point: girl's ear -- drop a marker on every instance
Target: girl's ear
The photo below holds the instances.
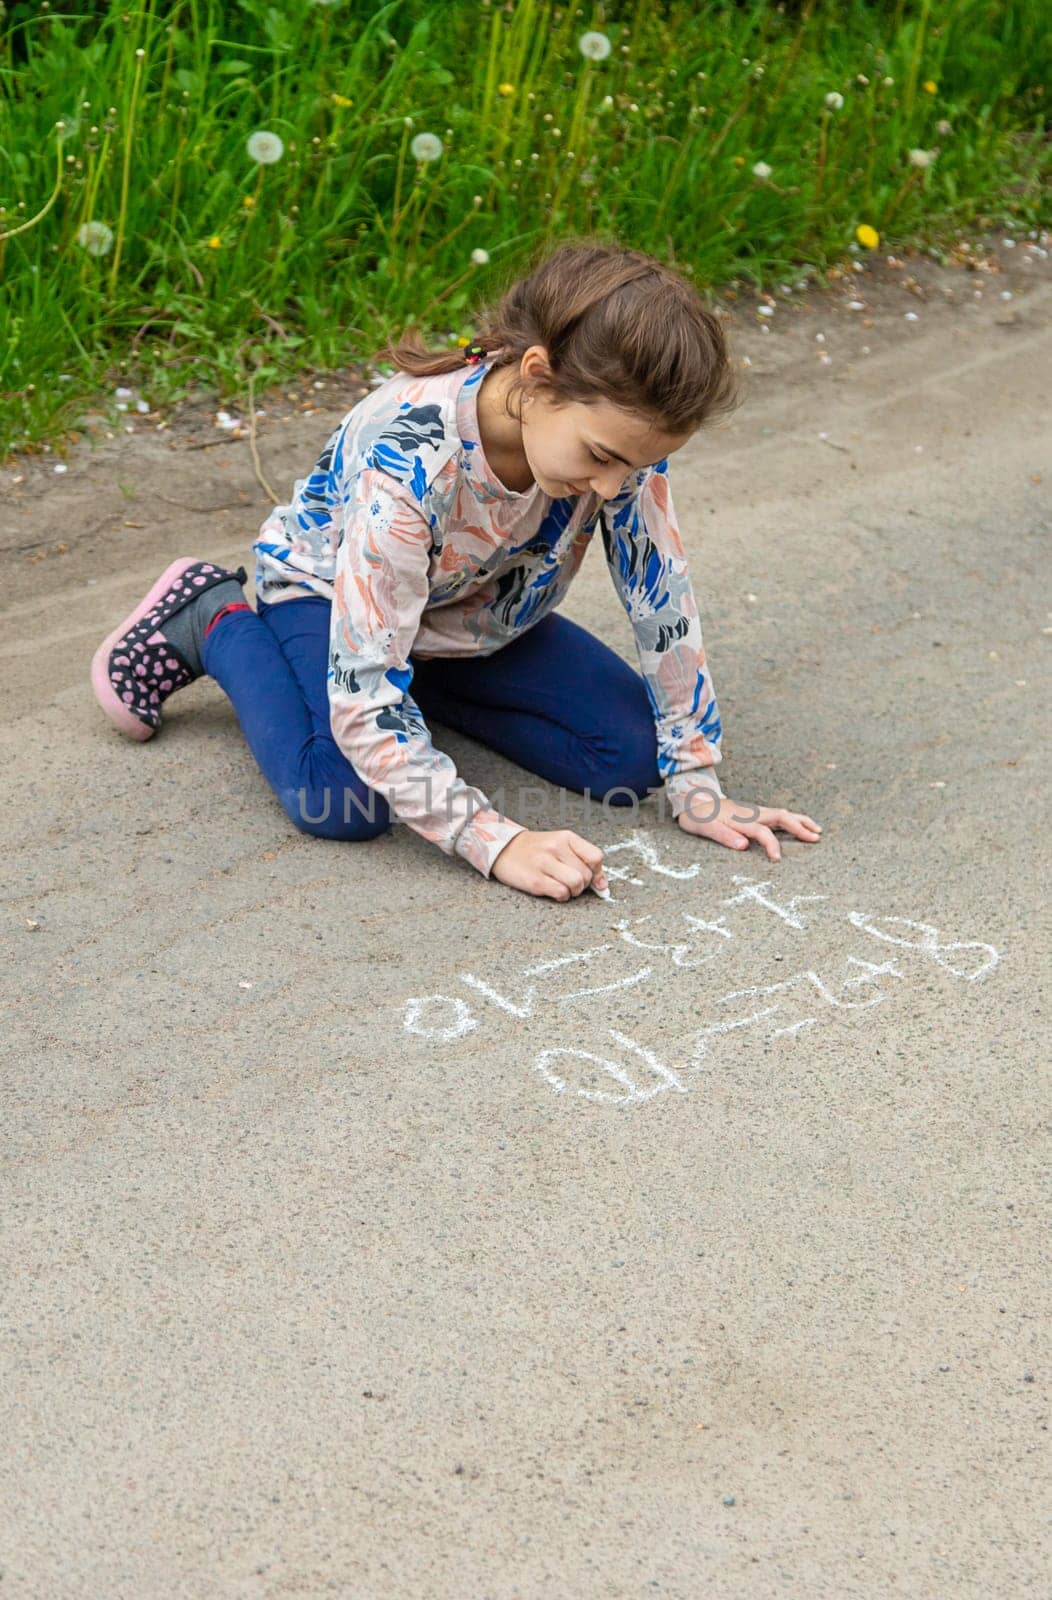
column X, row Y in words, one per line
column 535, row 362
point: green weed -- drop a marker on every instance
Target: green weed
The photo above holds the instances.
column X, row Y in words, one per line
column 201, row 192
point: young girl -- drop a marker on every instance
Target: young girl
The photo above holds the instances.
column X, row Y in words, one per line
column 431, row 546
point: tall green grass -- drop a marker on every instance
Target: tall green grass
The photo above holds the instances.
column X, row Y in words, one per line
column 145, row 244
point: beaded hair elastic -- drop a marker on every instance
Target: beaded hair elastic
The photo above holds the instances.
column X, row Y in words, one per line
column 475, row 352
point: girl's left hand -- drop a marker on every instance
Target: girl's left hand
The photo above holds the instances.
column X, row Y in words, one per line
column 735, row 823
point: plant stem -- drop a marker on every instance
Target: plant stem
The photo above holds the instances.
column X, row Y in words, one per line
column 31, row 222
column 396, row 218
column 914, row 73
column 823, row 133
column 126, row 174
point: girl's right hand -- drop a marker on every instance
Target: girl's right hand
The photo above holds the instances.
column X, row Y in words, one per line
column 558, row 864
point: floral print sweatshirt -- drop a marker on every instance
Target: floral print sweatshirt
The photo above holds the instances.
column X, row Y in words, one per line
column 424, row 552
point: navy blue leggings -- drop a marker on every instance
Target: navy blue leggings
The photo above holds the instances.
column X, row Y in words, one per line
column 556, row 701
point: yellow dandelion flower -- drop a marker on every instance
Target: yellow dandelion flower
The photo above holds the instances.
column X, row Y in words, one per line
column 739, row 161
column 867, row 236
column 248, row 201
column 340, row 100
column 215, row 242
column 505, row 88
column 930, row 86
column 462, row 342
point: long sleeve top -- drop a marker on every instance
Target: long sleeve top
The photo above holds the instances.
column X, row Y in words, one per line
column 424, row 552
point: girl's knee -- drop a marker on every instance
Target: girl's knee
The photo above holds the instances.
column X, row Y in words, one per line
column 631, row 773
column 337, row 813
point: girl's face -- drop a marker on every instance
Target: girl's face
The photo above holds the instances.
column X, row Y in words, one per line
column 578, row 448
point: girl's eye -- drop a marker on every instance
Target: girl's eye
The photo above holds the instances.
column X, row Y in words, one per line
column 602, row 460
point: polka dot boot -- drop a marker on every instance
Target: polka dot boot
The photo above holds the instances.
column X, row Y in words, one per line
column 137, row 667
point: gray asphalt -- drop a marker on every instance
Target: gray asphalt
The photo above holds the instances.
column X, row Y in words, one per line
column 372, row 1229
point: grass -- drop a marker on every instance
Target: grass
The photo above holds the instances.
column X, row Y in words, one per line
column 143, row 244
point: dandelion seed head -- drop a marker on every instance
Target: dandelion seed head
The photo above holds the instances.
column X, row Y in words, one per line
column 761, row 170
column 594, row 46
column 944, row 127
column 834, row 101
column 921, row 158
column 264, row 147
column 426, row 147
column 480, row 257
column 95, row 237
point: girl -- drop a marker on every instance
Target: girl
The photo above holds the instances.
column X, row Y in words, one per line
column 431, row 546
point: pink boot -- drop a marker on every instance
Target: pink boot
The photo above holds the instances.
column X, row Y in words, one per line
column 136, row 668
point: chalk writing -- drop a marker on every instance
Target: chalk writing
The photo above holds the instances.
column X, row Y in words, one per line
column 929, row 944
column 754, row 892
column 463, row 1021
column 797, row 1001
column 633, row 1093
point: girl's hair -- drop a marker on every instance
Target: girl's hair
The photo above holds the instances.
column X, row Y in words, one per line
column 618, row 326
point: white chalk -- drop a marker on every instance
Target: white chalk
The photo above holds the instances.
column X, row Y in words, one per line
column 604, row 894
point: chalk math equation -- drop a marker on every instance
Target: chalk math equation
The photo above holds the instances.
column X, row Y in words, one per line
column 890, row 948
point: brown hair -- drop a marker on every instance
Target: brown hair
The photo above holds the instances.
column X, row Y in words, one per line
column 618, row 326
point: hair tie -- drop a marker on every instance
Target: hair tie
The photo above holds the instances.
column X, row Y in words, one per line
column 475, row 352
